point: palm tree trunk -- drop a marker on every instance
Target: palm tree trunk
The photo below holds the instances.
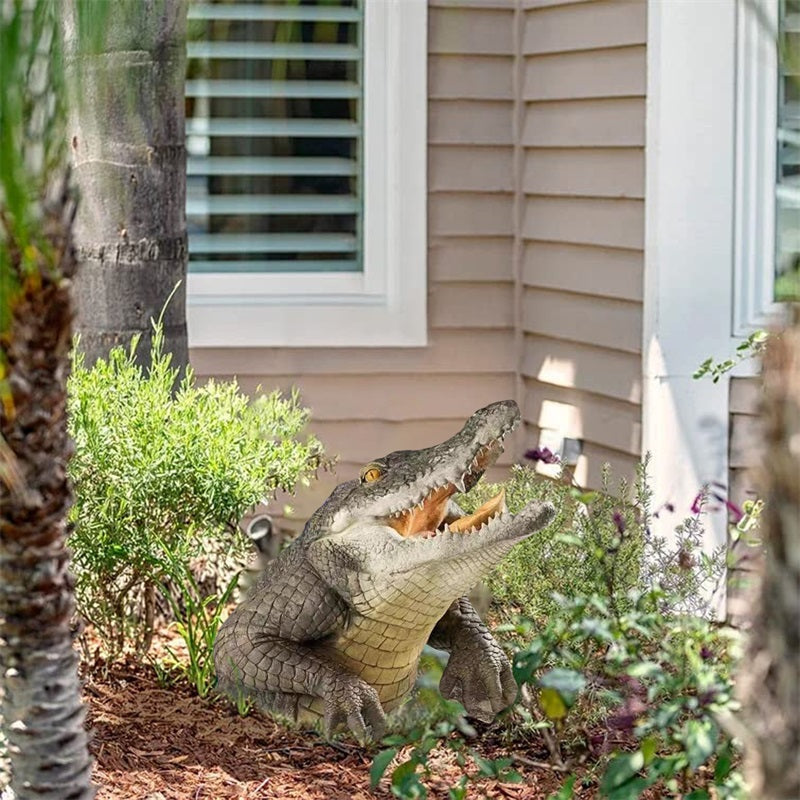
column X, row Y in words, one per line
column 42, row 714
column 127, row 142
column 771, row 672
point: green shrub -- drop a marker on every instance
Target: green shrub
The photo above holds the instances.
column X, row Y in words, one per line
column 431, row 722
column 628, row 653
column 620, row 667
column 198, row 616
column 163, row 470
column 567, row 557
column 657, row 682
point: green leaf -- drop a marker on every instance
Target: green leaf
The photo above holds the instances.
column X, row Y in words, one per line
column 644, row 669
column 700, row 738
column 395, row 739
column 630, row 790
column 597, row 629
column 552, row 704
column 497, row 768
column 649, row 747
column 566, row 791
column 459, row 791
column 379, row 765
column 526, row 664
column 587, row 498
column 621, row 770
column 406, row 784
column 661, row 768
column 491, row 768
column 567, row 682
column 723, row 766
column 698, row 794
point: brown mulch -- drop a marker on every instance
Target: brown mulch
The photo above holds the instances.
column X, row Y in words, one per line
column 159, row 743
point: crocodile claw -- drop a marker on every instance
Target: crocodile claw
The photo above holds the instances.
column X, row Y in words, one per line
column 479, row 676
column 354, row 704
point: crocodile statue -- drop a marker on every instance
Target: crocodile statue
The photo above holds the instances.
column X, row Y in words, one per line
column 334, row 627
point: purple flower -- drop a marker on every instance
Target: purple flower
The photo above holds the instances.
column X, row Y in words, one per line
column 706, row 653
column 619, row 521
column 707, row 697
column 735, row 512
column 697, row 503
column 543, row 454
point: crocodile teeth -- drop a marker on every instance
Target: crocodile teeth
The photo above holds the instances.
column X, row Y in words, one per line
column 486, row 512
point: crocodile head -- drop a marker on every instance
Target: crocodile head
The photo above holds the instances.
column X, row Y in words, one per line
column 398, row 524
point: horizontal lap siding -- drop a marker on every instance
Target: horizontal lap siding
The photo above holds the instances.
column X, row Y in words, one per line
column 609, row 122
column 394, row 397
column 615, row 172
column 610, row 323
column 586, row 269
column 582, row 123
column 746, row 448
column 366, row 401
column 574, row 364
column 746, row 438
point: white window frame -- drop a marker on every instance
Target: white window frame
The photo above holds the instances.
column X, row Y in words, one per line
column 385, row 305
column 756, row 162
column 708, row 245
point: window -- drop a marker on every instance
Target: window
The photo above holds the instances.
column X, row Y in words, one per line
column 306, row 180
column 787, row 223
column 767, row 226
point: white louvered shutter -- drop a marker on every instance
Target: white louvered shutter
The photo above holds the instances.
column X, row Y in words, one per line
column 274, row 110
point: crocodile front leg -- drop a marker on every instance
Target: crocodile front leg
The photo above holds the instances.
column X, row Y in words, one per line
column 270, row 649
column 279, row 673
column 478, row 673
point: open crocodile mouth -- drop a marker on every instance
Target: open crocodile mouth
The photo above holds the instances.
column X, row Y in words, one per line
column 430, row 517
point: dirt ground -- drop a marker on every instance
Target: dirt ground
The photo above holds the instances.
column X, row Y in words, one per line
column 166, row 744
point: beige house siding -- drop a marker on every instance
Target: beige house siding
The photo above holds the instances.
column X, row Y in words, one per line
column 369, row 401
column 746, row 440
column 535, row 214
column 745, row 450
column 581, row 241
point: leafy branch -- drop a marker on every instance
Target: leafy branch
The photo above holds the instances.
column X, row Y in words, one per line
column 752, row 347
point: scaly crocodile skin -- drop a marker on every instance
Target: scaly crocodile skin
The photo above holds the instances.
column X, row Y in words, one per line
column 334, row 628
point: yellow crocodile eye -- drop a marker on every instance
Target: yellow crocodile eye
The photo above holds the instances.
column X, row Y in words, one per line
column 370, row 473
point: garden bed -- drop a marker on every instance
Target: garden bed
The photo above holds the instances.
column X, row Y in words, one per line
column 168, row 744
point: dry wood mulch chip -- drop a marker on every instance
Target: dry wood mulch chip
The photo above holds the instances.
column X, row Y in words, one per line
column 154, row 743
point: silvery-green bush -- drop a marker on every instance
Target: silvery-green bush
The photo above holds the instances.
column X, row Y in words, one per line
column 564, row 558
column 163, row 470
column 599, row 542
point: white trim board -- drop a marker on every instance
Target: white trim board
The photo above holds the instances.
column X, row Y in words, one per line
column 385, row 305
column 689, row 256
column 756, row 166
column 709, row 232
